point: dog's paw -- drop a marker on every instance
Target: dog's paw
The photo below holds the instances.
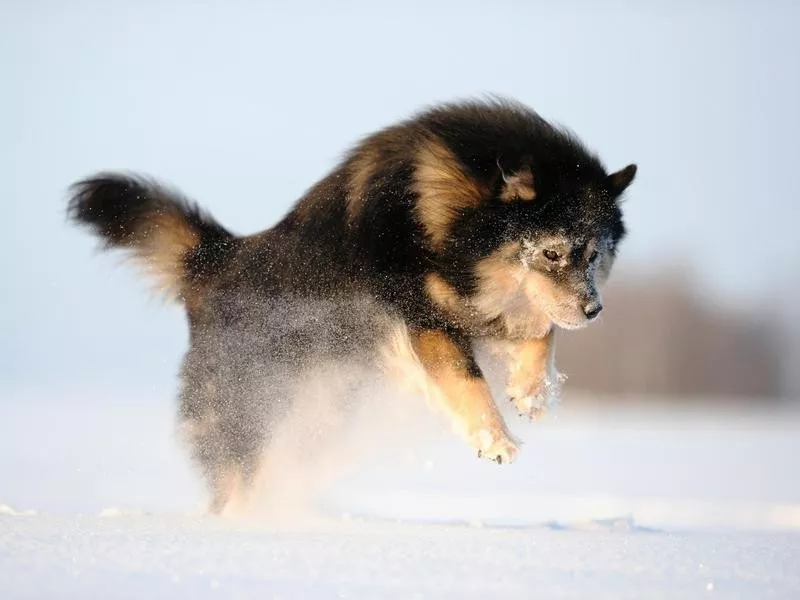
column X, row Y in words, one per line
column 501, row 450
column 533, row 407
column 534, row 400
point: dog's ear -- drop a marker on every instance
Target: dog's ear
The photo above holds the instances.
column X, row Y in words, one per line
column 619, row 181
column 517, row 185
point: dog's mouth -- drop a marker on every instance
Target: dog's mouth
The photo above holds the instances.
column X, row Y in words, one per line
column 569, row 324
column 563, row 309
column 564, row 317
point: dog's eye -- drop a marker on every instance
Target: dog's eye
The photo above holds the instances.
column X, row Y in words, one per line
column 551, row 255
column 593, row 256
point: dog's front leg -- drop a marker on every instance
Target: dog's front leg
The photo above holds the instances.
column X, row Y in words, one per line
column 534, row 383
column 463, row 393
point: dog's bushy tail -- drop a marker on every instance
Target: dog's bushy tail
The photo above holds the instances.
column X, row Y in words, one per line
column 176, row 242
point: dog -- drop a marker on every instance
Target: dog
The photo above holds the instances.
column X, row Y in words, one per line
column 472, row 220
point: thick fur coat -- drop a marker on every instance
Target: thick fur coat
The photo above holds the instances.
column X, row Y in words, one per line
column 474, row 220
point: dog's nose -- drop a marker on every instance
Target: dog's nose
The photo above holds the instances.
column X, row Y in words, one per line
column 592, row 309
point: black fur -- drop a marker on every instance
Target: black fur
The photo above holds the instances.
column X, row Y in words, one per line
column 318, row 286
column 119, row 209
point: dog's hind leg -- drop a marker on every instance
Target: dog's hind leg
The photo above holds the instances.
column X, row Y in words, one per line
column 208, row 435
column 461, row 390
column 224, row 482
column 232, row 490
column 229, row 470
column 207, row 443
column 240, row 473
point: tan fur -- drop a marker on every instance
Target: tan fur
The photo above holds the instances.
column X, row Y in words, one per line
column 500, row 279
column 532, row 375
column 519, row 186
column 467, row 398
column 555, row 301
column 524, row 302
column 399, row 359
column 232, row 497
column 429, row 363
column 443, row 190
column 360, row 170
column 227, row 489
column 444, row 295
column 166, row 239
column 502, row 294
column 529, row 362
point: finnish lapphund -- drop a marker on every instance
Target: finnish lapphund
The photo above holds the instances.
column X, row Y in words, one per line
column 470, row 221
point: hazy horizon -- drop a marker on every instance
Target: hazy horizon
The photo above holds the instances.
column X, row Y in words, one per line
column 244, row 106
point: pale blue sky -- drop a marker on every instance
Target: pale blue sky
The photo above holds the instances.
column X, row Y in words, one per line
column 245, row 104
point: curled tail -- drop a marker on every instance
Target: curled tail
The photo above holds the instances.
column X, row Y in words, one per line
column 176, row 242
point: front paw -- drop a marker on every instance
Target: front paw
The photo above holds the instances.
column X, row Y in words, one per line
column 533, row 400
column 497, row 448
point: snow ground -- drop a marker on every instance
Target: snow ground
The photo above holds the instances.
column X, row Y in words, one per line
column 97, row 501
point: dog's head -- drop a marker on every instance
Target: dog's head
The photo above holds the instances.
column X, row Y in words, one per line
column 555, row 241
column 567, row 251
column 521, row 218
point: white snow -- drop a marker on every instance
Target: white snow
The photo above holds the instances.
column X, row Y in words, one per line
column 97, row 500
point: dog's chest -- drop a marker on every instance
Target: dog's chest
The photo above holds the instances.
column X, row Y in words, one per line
column 503, row 299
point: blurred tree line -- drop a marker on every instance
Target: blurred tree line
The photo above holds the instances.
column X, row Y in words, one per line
column 657, row 336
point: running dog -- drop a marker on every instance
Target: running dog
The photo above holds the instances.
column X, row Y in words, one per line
column 470, row 221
